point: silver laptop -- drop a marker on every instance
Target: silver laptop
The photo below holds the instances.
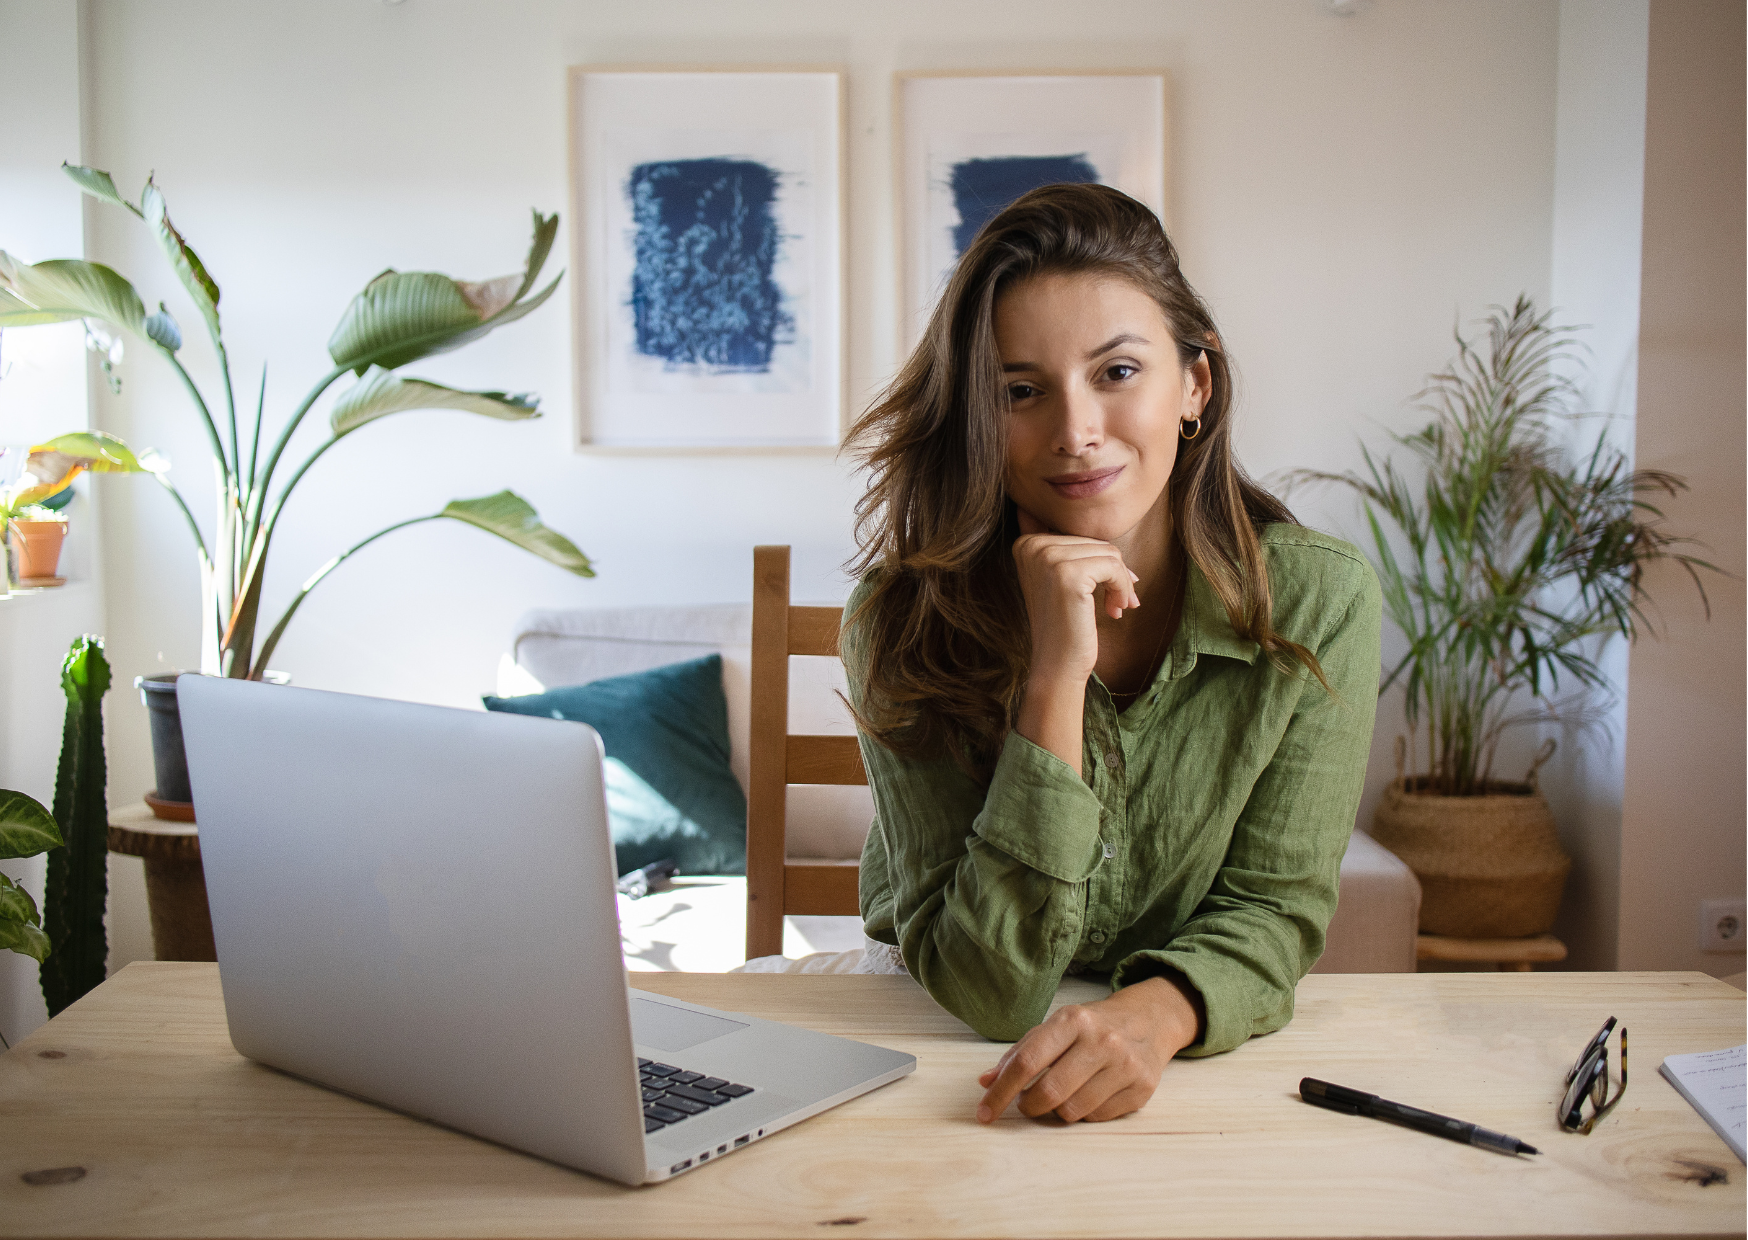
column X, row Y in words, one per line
column 415, row 905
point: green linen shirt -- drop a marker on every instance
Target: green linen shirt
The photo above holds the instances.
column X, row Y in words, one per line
column 1204, row 836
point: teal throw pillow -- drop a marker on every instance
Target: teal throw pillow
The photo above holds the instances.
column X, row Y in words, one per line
column 670, row 790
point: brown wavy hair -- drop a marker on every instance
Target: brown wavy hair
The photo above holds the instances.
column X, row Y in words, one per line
column 942, row 640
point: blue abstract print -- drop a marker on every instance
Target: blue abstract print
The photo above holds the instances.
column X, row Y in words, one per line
column 982, row 187
column 707, row 238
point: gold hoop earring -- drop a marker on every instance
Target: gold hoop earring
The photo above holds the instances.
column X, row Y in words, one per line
column 1184, row 428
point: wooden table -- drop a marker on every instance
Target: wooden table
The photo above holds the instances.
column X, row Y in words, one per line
column 176, row 1134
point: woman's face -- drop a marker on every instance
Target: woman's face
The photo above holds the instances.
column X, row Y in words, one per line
column 1096, row 397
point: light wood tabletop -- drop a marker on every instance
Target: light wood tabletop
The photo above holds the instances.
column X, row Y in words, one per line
column 131, row 1115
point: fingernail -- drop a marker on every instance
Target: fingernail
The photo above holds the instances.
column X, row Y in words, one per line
column 983, row 1115
column 1134, row 576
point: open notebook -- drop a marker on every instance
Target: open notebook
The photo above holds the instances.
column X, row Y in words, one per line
column 1716, row 1083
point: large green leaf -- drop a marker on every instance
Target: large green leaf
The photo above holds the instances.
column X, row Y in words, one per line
column 26, row 828
column 402, row 316
column 22, row 937
column 98, row 184
column 186, row 263
column 513, row 519
column 381, row 393
column 73, row 289
column 545, row 230
column 16, row 313
column 52, row 466
column 16, row 904
column 100, row 453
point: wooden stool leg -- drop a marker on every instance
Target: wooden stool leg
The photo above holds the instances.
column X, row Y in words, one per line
column 181, row 920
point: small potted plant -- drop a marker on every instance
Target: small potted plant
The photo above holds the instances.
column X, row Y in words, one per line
column 1506, row 559
column 37, row 533
column 32, row 525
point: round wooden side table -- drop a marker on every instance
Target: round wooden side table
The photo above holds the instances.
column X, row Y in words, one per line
column 175, row 881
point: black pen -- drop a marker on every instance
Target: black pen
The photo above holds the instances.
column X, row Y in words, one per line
column 1353, row 1102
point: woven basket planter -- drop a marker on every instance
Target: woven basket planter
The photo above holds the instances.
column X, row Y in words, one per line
column 1490, row 867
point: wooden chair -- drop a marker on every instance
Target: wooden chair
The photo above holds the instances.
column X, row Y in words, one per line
column 775, row 886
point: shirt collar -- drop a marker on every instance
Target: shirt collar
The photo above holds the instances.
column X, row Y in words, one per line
column 1205, row 629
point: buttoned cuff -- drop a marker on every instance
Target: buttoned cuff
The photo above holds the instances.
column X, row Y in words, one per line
column 1041, row 813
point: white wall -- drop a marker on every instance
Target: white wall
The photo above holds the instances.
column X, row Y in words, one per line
column 1599, row 189
column 1343, row 189
column 1682, row 820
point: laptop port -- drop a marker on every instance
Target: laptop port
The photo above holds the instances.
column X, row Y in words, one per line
column 741, row 1140
column 722, row 1149
column 704, row 1157
column 679, row 1167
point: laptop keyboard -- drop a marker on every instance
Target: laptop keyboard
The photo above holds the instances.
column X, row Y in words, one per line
column 672, row 1094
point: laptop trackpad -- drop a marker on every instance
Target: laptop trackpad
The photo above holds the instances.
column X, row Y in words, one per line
column 675, row 1029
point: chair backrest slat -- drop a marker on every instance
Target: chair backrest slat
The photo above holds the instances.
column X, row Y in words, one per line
column 825, row 760
column 820, row 890
column 814, row 630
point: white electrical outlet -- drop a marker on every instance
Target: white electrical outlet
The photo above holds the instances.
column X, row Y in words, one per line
column 1721, row 926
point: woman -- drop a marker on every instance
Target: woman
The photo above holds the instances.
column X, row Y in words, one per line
column 1115, row 704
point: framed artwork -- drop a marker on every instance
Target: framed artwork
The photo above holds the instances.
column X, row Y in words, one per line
column 968, row 144
column 707, row 212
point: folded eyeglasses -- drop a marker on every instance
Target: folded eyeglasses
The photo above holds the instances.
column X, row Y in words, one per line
column 1587, row 1082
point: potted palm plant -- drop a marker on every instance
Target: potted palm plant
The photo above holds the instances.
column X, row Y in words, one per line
column 397, row 319
column 1506, row 564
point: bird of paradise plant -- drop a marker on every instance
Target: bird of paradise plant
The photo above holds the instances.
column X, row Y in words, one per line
column 398, row 318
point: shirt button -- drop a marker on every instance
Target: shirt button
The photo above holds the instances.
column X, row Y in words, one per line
column 1097, row 936
column 1111, row 760
column 1110, row 850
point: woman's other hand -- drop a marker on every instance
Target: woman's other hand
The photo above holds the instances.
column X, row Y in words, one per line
column 1095, row 1061
column 1065, row 581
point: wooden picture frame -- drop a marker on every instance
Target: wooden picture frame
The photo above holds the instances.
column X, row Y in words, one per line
column 707, row 241
column 976, row 139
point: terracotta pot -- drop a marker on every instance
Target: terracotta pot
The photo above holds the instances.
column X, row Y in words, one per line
column 39, row 546
column 1490, row 867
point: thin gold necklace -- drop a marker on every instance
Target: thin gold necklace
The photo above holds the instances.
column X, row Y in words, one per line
column 1173, row 594
column 1152, row 664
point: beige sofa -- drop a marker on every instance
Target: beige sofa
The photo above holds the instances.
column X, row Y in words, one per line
column 699, row 925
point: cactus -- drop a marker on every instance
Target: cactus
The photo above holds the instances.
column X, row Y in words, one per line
column 78, row 872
